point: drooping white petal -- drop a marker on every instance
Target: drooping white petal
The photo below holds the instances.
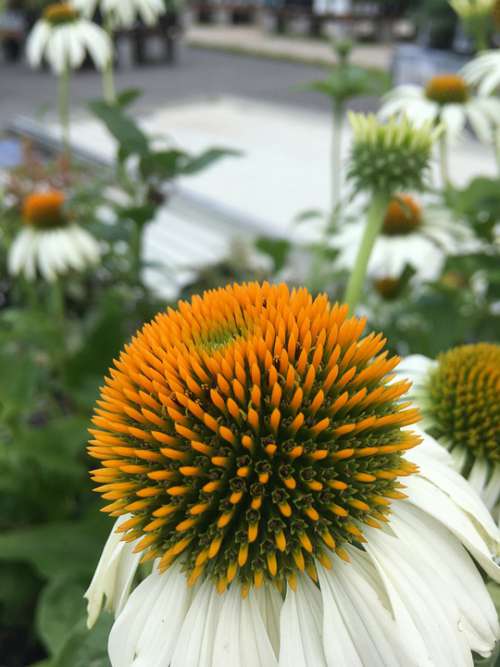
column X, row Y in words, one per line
column 431, row 635
column 96, row 42
column 37, row 42
column 480, row 122
column 88, row 247
column 436, row 468
column 466, row 528
column 56, row 50
column 74, row 46
column 454, row 119
column 22, row 252
column 241, row 638
column 478, row 476
column 415, row 367
column 270, row 603
column 462, row 586
column 491, row 493
column 44, row 256
column 357, row 629
column 301, row 627
column 146, row 631
column 113, row 576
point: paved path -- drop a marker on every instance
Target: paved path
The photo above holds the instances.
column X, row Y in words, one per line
column 298, row 49
column 200, row 73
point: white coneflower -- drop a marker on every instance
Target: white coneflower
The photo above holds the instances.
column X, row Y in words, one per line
column 484, row 72
column 123, row 13
column 476, row 16
column 422, row 236
column 49, row 242
column 252, row 444
column 64, row 38
column 447, row 100
column 459, row 396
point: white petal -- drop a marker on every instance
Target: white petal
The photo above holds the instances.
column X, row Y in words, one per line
column 357, row 629
column 22, row 251
column 431, row 636
column 453, row 118
column 468, row 598
column 301, row 627
column 491, row 494
column 113, row 576
column 97, row 42
column 270, row 603
column 478, row 475
column 241, row 639
column 37, row 42
column 146, row 631
column 56, row 50
column 195, row 645
column 415, row 367
column 480, row 123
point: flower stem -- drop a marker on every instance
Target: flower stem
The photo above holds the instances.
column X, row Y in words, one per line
column 64, row 83
column 336, row 155
column 374, row 221
column 443, row 160
column 136, row 247
column 108, row 76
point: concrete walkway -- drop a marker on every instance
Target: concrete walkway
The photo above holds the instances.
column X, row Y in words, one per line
column 255, row 41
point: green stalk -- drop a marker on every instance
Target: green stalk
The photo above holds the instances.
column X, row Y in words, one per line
column 136, row 248
column 108, row 75
column 443, row 160
column 336, row 154
column 64, row 84
column 374, row 221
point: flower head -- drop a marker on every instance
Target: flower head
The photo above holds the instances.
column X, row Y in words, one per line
column 60, row 13
column 446, row 100
column 459, row 394
column 403, row 216
column 44, row 209
column 50, row 242
column 415, row 231
column 464, row 399
column 447, row 89
column 388, row 287
column 63, row 38
column 253, row 457
column 252, row 441
column 391, row 156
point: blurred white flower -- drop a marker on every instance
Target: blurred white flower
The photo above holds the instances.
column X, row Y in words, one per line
column 484, row 72
column 473, row 9
column 459, row 397
column 64, row 38
column 419, row 235
column 48, row 242
column 446, row 99
column 123, row 13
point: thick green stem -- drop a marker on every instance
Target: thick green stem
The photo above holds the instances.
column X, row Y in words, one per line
column 443, row 160
column 108, row 76
column 64, row 84
column 336, row 155
column 497, row 148
column 374, row 221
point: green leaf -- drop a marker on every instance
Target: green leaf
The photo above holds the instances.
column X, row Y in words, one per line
column 165, row 164
column 61, row 606
column 85, row 648
column 59, row 548
column 131, row 139
column 126, row 97
column 277, row 249
column 207, row 158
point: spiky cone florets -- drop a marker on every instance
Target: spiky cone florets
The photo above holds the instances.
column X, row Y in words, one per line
column 462, row 403
column 392, row 156
column 60, row 12
column 447, row 89
column 248, row 431
column 44, row 209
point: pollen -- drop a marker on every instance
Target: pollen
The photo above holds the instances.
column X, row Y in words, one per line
column 58, row 13
column 447, row 89
column 250, row 433
column 464, row 399
column 44, row 209
column 403, row 216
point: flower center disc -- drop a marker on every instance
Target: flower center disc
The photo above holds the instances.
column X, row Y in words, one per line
column 44, row 209
column 447, row 89
column 464, row 402
column 389, row 288
column 403, row 216
column 59, row 13
column 249, row 431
